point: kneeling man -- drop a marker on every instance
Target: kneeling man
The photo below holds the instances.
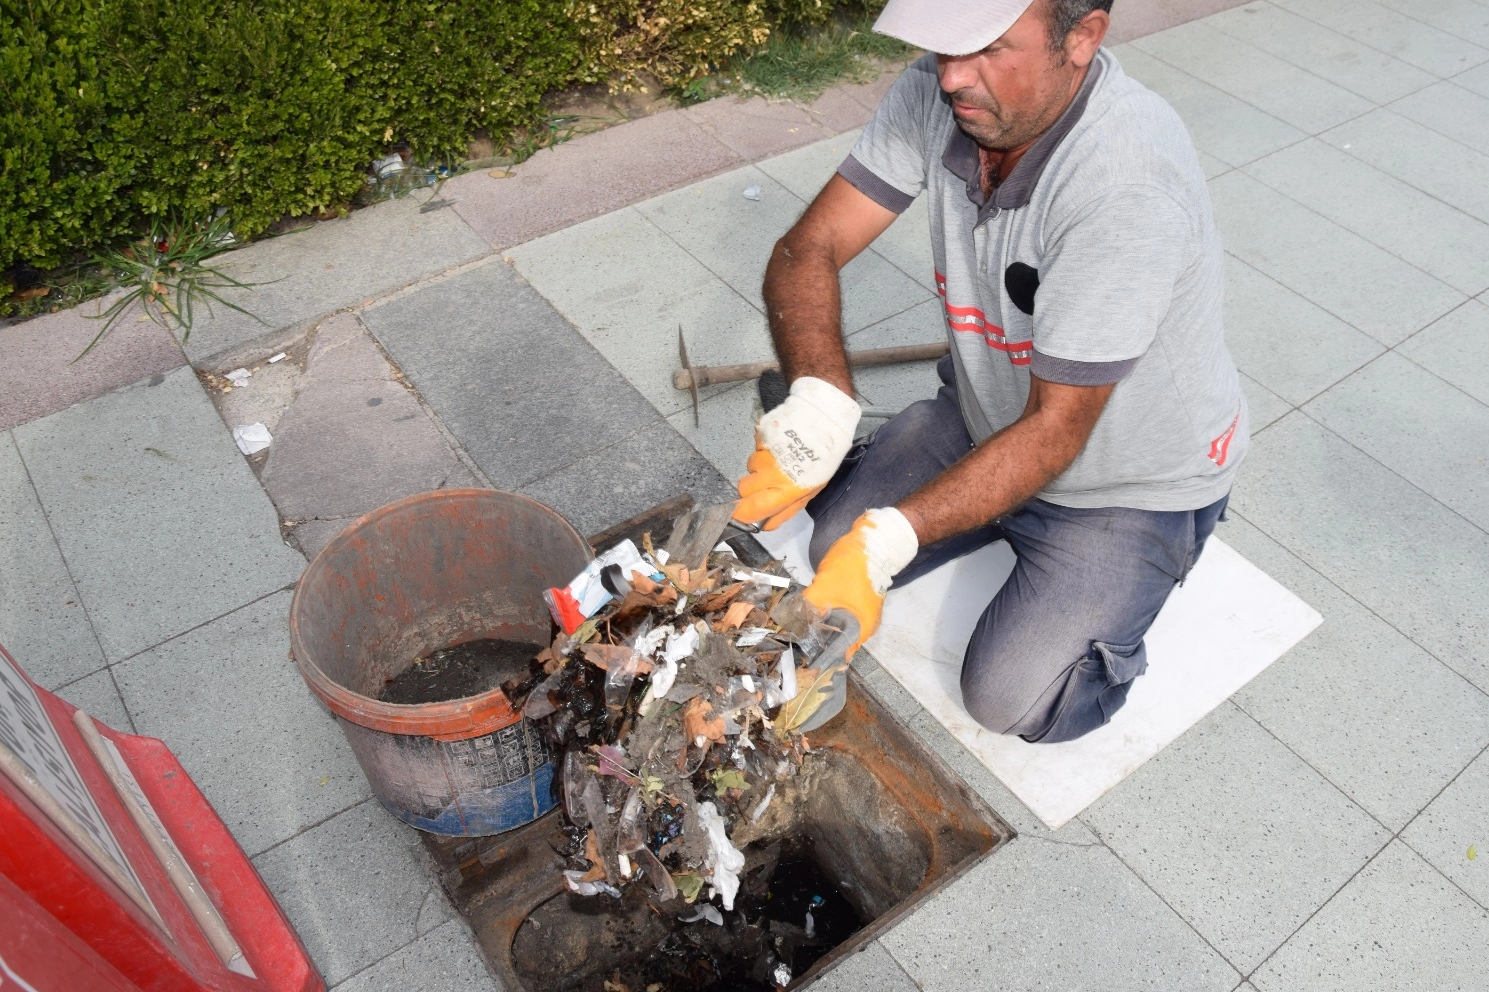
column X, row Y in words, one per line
column 1089, row 413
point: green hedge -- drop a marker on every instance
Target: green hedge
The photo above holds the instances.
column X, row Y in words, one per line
column 115, row 111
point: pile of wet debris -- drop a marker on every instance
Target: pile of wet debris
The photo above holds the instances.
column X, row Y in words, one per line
column 679, row 692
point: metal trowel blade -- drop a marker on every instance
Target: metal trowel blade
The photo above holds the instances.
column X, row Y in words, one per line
column 697, row 532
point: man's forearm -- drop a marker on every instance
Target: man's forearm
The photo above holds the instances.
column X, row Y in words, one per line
column 803, row 306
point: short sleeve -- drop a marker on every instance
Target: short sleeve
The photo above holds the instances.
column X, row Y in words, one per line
column 1106, row 281
column 888, row 163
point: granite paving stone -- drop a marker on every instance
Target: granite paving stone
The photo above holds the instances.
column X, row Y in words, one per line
column 98, row 696
column 160, row 520
column 1456, row 348
column 443, row 960
column 1450, row 110
column 1418, row 155
column 1264, row 406
column 894, row 387
column 43, row 373
column 1357, row 281
column 1408, row 419
column 559, row 186
column 835, row 111
column 355, row 436
column 355, row 887
column 1284, row 342
column 1475, row 79
column 1459, row 18
column 227, row 691
column 870, row 969
column 603, row 276
column 1341, row 60
column 806, row 170
column 1236, row 833
column 755, row 127
column 870, row 92
column 890, row 692
column 1405, row 221
column 42, row 620
column 520, row 389
column 1221, row 125
column 1136, row 18
column 1041, row 916
column 725, row 433
column 1398, row 925
column 618, row 482
column 907, row 244
column 1376, row 715
column 310, row 273
column 1290, row 94
column 1417, row 564
column 1394, row 33
column 1453, row 825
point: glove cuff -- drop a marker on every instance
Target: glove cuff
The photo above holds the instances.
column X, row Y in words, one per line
column 837, row 406
column 889, row 545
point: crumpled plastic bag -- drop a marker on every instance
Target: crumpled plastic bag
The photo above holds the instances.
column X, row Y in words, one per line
column 727, row 860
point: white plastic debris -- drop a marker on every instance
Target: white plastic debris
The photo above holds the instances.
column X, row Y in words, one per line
column 778, row 581
column 646, row 645
column 727, row 860
column 787, row 671
column 582, row 597
column 238, row 376
column 252, row 438
column 723, row 548
column 572, row 881
column 662, row 678
column 704, row 911
column 680, row 645
column 752, row 192
column 759, row 811
column 782, row 974
column 277, row 358
column 389, row 165
column 750, row 636
column 811, row 927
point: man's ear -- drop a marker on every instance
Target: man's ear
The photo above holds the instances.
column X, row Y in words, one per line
column 1086, row 37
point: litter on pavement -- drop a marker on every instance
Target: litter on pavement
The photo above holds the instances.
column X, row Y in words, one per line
column 252, row 438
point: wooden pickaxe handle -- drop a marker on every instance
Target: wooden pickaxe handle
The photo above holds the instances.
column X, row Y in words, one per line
column 709, row 375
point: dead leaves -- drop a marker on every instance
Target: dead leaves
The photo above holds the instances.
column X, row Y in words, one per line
column 603, row 656
column 700, row 723
column 735, row 616
column 815, row 689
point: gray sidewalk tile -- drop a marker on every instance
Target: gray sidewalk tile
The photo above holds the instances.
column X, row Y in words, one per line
column 1353, row 279
column 627, row 287
column 1221, row 125
column 806, row 170
column 1411, row 421
column 870, row 970
column 1397, row 926
column 1460, row 18
column 1456, row 348
column 1419, row 156
column 1237, row 834
column 907, row 244
column 1394, row 33
column 98, row 696
column 1476, row 79
column 520, row 389
column 307, row 274
column 1136, row 18
column 1453, row 824
column 355, row 437
column 620, row 481
column 355, row 888
column 836, row 111
column 1355, row 66
column 161, row 521
column 1039, row 916
column 1284, row 342
column 560, row 186
column 895, row 387
column 725, row 434
column 1374, row 713
column 42, row 621
column 1280, row 88
column 1211, row 165
column 1423, row 230
column 870, row 93
column 924, row 323
column 1451, row 110
column 891, row 693
column 986, row 784
column 443, row 960
column 755, row 127
column 43, row 373
column 229, row 702
column 1265, row 406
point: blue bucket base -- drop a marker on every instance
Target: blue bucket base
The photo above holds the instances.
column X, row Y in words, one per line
column 489, row 811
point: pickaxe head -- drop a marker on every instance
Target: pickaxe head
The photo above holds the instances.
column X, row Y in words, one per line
column 682, row 353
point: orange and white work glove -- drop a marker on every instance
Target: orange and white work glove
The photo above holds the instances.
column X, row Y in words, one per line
column 856, row 571
column 798, row 447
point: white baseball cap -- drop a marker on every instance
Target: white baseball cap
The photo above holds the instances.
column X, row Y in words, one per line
column 950, row 27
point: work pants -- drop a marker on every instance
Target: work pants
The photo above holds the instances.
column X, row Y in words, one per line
column 1058, row 647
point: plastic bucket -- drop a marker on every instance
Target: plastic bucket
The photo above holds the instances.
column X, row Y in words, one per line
column 422, row 573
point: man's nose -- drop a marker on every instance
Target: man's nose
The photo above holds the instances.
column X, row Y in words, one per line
column 955, row 72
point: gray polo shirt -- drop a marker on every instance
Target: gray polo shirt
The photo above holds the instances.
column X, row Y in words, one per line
column 1097, row 261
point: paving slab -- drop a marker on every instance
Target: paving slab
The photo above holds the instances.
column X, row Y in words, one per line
column 871, row 968
column 307, row 274
column 521, row 390
column 42, row 372
column 618, row 482
column 754, row 128
column 1456, row 348
column 445, row 959
column 270, row 769
column 1398, row 925
column 1237, row 834
column 1475, row 79
column 355, row 436
column 1386, row 211
column 907, row 244
column 1343, row 61
column 1411, row 421
column 1264, row 406
column 1041, row 916
column 1390, row 750
column 160, row 520
column 1362, row 284
column 1460, row 18
column 98, row 696
column 560, row 186
column 355, row 887
column 806, row 170
column 1439, row 166
column 42, row 620
column 1223, row 126
column 837, row 111
column 1413, row 561
column 1453, row 826
column 1394, row 33
column 725, row 432
column 1450, row 110
column 1136, row 18
column 1280, row 88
